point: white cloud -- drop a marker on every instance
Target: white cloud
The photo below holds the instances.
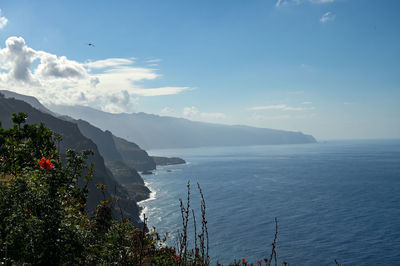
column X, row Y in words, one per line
column 117, row 102
column 328, row 16
column 94, row 81
column 3, row 21
column 194, row 112
column 263, row 117
column 52, row 66
column 17, row 58
column 190, row 111
column 321, row 1
column 306, row 103
column 167, row 110
column 260, row 117
column 280, row 3
column 159, row 91
column 153, row 61
column 128, row 74
column 110, row 62
column 282, row 107
column 111, row 84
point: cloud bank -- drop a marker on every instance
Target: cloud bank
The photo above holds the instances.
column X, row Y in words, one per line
column 282, row 107
column 111, row 85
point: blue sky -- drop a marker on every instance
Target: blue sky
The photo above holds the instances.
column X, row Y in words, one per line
column 330, row 68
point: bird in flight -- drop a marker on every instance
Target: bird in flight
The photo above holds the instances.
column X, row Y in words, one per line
column 90, row 44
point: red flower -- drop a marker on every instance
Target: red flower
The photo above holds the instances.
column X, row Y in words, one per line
column 285, row 262
column 244, row 261
column 259, row 262
column 45, row 164
column 177, row 256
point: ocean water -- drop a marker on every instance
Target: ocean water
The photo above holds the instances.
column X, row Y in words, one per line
column 334, row 200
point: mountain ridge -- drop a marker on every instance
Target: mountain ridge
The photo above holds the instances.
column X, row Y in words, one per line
column 164, row 132
column 130, row 153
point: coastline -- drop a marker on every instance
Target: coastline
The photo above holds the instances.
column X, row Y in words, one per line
column 153, row 193
column 151, row 196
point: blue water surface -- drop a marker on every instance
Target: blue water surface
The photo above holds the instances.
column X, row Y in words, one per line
column 334, row 200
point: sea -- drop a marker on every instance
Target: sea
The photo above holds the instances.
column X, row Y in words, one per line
column 332, row 200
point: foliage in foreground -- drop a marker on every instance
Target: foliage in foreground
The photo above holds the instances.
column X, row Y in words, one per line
column 42, row 208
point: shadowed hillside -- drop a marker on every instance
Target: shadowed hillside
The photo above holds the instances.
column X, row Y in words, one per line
column 73, row 138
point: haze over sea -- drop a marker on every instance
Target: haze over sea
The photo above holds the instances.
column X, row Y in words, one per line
column 334, row 200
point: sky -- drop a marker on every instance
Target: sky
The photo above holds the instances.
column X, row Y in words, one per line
column 330, row 68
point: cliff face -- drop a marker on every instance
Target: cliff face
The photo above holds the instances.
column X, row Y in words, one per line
column 167, row 160
column 103, row 139
column 133, row 155
column 121, row 156
column 73, row 138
